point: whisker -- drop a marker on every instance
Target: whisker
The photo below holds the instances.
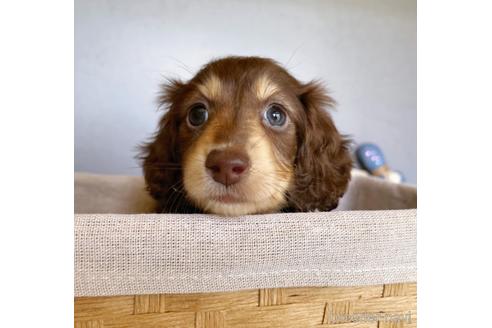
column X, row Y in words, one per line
column 163, row 168
column 278, row 189
column 176, row 198
column 170, row 164
column 172, row 194
column 178, row 201
column 286, row 65
column 181, row 64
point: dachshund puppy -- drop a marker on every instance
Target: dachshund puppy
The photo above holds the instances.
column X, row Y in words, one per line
column 242, row 137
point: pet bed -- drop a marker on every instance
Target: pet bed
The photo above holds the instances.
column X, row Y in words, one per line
column 352, row 267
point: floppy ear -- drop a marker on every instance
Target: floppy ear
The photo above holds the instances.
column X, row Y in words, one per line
column 323, row 163
column 160, row 156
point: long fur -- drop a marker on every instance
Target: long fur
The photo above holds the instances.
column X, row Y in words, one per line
column 322, row 163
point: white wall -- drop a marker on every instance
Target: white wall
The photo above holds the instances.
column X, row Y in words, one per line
column 365, row 50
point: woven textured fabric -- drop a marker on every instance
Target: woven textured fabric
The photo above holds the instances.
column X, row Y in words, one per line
column 118, row 254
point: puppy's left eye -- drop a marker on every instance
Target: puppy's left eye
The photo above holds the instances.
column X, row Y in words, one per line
column 197, row 115
column 275, row 116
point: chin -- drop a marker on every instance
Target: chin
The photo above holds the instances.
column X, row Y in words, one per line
column 235, row 200
column 239, row 208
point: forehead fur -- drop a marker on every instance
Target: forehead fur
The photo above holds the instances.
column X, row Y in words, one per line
column 211, row 86
column 262, row 76
column 264, row 87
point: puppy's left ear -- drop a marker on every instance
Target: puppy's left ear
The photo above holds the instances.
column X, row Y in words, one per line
column 323, row 162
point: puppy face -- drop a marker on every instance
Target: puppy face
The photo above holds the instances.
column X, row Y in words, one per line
column 232, row 138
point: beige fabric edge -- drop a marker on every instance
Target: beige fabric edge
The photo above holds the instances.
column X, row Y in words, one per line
column 120, row 254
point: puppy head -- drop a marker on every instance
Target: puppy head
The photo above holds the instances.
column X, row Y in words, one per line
column 242, row 137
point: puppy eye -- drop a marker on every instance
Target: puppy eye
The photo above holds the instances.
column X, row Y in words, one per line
column 275, row 116
column 197, row 115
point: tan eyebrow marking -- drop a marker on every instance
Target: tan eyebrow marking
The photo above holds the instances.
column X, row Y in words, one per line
column 264, row 87
column 211, row 87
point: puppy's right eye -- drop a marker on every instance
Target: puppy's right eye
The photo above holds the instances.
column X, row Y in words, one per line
column 197, row 115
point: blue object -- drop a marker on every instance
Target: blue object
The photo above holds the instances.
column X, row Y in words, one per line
column 370, row 156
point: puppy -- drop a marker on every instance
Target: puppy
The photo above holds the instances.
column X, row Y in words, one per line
column 243, row 137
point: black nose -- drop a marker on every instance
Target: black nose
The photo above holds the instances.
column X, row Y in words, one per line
column 227, row 166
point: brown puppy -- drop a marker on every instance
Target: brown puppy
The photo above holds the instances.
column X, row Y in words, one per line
column 243, row 136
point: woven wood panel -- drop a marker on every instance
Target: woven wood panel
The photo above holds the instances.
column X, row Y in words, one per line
column 384, row 306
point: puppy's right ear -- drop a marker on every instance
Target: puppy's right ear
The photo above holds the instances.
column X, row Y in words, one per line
column 160, row 157
column 323, row 161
